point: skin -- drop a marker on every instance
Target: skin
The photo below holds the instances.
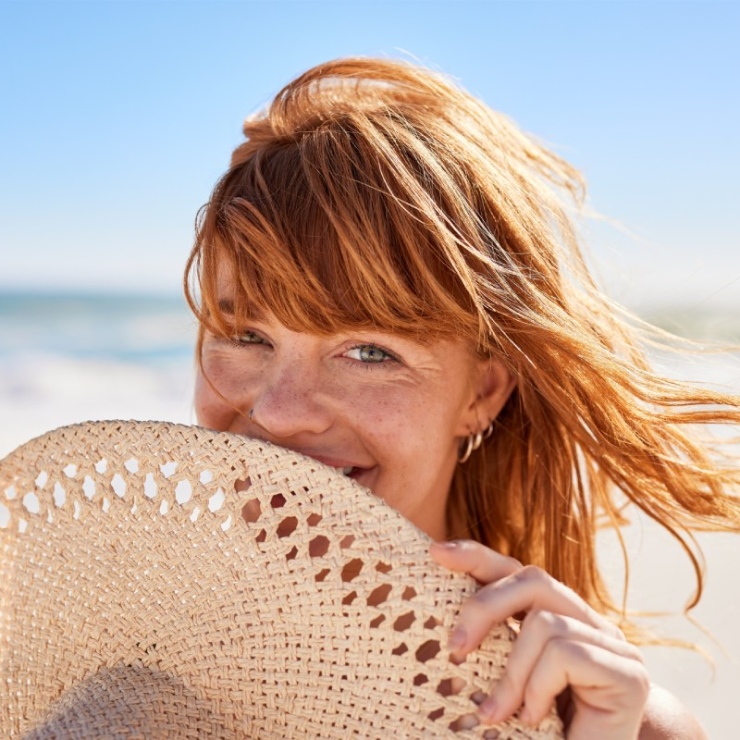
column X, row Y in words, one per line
column 358, row 401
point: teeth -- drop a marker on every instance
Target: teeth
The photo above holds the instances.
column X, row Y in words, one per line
column 348, row 470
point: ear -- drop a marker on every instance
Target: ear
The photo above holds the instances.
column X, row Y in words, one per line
column 492, row 386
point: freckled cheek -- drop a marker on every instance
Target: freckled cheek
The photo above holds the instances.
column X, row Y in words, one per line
column 394, row 425
column 217, row 392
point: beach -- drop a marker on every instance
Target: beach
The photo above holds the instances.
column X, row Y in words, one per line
column 71, row 358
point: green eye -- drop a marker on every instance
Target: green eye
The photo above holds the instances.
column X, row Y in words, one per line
column 247, row 337
column 370, row 354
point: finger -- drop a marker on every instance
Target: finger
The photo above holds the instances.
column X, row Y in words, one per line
column 609, row 690
column 538, row 630
column 479, row 561
column 527, row 589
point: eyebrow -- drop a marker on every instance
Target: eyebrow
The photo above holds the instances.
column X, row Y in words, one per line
column 226, row 306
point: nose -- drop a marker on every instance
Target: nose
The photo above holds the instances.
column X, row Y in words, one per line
column 289, row 401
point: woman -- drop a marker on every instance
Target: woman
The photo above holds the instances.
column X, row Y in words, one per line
column 390, row 282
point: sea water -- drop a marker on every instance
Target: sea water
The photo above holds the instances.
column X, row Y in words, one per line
column 66, row 358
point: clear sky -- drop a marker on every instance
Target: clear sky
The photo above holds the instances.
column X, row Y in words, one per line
column 118, row 117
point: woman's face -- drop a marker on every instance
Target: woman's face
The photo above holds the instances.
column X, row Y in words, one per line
column 387, row 411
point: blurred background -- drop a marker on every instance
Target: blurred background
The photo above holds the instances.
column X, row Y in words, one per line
column 120, row 116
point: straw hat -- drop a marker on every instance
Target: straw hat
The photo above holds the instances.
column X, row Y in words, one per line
column 161, row 580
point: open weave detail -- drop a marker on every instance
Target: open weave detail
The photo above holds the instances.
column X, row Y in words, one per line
column 162, row 580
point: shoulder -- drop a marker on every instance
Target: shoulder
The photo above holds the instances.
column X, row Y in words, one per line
column 666, row 718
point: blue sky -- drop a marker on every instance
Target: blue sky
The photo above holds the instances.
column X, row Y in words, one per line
column 118, row 117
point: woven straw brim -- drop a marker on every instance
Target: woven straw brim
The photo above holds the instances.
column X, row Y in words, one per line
column 161, row 580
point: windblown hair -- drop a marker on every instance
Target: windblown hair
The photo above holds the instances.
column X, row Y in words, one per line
column 377, row 194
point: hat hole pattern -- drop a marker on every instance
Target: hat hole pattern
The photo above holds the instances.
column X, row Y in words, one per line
column 404, row 622
column 251, row 511
column 287, row 526
column 318, row 546
column 183, row 492
column 379, row 595
column 216, row 501
column 118, row 485
column 351, row 570
column 59, row 495
column 31, row 503
column 88, row 487
column 464, row 722
column 427, row 650
column 449, row 687
column 150, row 486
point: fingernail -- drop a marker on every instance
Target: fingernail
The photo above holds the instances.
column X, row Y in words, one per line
column 445, row 545
column 487, row 710
column 458, row 638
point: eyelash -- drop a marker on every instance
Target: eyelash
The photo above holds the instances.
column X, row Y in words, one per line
column 388, row 356
column 239, row 339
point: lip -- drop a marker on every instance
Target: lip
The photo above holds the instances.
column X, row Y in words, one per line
column 358, row 473
column 338, row 463
column 332, row 462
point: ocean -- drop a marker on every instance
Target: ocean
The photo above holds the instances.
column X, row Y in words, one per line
column 66, row 358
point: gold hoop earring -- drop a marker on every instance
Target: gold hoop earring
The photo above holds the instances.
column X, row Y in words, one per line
column 473, row 443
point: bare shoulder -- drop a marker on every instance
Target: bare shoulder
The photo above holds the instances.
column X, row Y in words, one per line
column 666, row 718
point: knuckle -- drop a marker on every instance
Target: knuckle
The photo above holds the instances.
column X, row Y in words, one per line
column 615, row 631
column 543, row 624
column 640, row 683
column 533, row 574
column 515, row 564
column 482, row 598
column 635, row 653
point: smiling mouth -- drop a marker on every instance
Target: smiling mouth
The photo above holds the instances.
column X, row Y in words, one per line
column 351, row 472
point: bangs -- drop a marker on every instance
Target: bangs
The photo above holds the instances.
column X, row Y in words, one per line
column 333, row 231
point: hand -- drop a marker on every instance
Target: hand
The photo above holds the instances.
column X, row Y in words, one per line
column 563, row 644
